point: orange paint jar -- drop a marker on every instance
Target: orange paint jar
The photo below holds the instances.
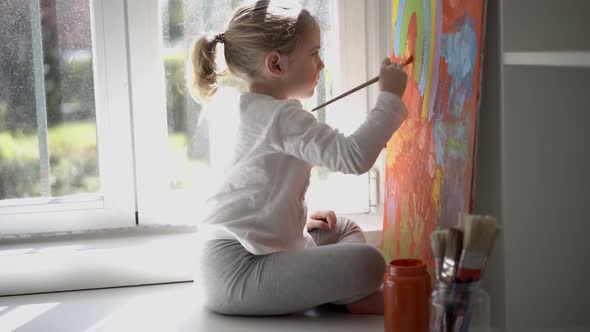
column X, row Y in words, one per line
column 406, row 291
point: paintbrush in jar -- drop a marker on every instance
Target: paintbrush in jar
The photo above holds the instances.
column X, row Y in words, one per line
column 438, row 240
column 453, row 248
column 478, row 239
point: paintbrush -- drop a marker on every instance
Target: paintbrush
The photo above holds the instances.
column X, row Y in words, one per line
column 366, row 84
column 478, row 238
column 463, row 219
column 453, row 248
column 438, row 240
column 478, row 241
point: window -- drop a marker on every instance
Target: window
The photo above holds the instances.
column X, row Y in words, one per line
column 58, row 168
column 196, row 135
column 96, row 123
column 49, row 141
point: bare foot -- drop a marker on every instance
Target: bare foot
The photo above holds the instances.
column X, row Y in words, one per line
column 370, row 305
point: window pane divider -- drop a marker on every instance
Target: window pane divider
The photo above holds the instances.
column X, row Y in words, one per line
column 41, row 107
column 148, row 100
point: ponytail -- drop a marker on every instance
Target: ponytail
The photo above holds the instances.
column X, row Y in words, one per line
column 204, row 82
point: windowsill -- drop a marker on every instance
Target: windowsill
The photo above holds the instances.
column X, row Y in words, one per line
column 110, row 258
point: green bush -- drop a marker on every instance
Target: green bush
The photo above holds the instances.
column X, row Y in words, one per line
column 176, row 93
column 72, row 160
column 78, row 90
column 19, row 166
column 178, row 97
column 73, row 155
column 3, row 114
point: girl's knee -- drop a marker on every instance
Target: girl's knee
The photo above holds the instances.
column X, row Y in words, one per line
column 370, row 261
column 350, row 231
column 377, row 264
column 348, row 224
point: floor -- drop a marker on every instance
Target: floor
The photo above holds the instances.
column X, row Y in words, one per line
column 166, row 307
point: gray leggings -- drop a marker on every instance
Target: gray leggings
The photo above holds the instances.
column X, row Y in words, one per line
column 342, row 269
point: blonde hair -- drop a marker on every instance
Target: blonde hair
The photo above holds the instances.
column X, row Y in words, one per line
column 255, row 29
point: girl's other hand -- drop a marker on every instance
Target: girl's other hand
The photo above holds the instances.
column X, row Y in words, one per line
column 321, row 220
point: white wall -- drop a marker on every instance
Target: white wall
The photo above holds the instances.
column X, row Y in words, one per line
column 533, row 165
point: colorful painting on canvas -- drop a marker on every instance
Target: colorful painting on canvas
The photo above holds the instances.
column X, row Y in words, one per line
column 430, row 159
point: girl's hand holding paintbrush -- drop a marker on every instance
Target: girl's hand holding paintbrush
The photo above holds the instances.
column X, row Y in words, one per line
column 391, row 78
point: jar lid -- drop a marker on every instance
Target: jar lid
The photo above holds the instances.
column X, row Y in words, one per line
column 406, row 267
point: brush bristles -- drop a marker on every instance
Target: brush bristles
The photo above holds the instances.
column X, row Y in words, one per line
column 464, row 218
column 438, row 240
column 461, row 252
column 454, row 243
column 480, row 233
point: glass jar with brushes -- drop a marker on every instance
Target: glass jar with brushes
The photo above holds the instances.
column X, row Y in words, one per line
column 462, row 307
column 460, row 253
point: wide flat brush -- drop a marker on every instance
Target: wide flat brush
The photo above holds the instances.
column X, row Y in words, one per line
column 480, row 234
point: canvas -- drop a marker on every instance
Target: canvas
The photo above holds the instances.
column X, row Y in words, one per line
column 429, row 172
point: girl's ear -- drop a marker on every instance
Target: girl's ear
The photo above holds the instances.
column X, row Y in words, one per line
column 276, row 64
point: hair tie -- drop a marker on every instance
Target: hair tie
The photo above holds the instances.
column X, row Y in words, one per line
column 220, row 38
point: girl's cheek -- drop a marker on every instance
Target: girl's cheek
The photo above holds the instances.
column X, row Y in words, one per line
column 305, row 76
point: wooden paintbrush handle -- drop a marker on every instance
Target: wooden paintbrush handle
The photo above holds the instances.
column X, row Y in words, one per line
column 366, row 84
column 376, row 79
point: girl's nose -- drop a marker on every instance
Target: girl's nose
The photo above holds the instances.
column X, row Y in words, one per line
column 321, row 67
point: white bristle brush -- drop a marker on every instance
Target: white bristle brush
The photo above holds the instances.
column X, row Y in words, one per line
column 478, row 238
column 438, row 241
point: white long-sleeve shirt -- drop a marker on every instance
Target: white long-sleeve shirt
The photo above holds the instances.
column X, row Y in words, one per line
column 261, row 201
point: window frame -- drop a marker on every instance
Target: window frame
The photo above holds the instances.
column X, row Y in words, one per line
column 114, row 204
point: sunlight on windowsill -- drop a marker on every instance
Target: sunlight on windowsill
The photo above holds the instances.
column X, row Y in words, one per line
column 13, row 319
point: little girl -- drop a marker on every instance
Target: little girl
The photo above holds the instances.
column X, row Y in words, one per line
column 261, row 253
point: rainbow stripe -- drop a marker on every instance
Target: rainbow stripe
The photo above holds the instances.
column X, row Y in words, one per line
column 429, row 29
